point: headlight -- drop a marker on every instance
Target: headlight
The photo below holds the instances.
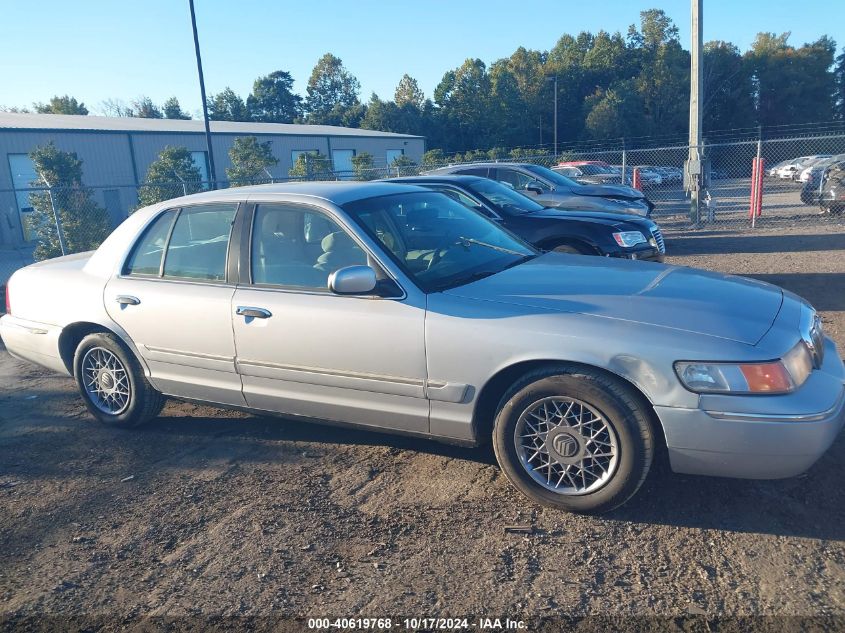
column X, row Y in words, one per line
column 628, row 239
column 779, row 376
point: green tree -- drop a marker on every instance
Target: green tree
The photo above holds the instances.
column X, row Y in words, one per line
column 403, row 165
column 171, row 175
column 227, row 106
column 433, row 158
column 251, row 160
column 793, row 85
column 332, row 91
column 839, row 78
column 728, row 88
column 363, row 166
column 408, row 93
column 273, row 100
column 144, row 108
column 61, row 105
column 312, row 166
column 84, row 224
column 463, row 96
column 172, row 109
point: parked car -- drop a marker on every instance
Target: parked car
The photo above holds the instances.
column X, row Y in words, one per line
column 394, row 308
column 804, row 173
column 832, row 195
column 555, row 190
column 577, row 232
column 649, row 176
column 793, row 168
column 589, row 173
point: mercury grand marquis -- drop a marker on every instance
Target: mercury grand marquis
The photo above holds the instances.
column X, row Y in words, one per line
column 395, row 308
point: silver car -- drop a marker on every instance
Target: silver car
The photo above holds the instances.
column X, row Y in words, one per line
column 395, row 308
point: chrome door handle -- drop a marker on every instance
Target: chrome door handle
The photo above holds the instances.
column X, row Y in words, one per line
column 256, row 313
column 128, row 300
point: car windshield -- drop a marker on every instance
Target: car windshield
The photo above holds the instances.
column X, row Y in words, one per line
column 553, row 177
column 503, row 197
column 437, row 241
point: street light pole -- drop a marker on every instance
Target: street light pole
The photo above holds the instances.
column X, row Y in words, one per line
column 213, row 175
column 555, row 125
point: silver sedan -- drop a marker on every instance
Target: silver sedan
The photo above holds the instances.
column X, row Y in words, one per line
column 391, row 307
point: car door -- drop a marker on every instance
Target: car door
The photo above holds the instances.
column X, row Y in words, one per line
column 302, row 350
column 173, row 297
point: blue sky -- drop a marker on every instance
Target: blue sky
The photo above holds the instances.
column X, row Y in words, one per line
column 99, row 49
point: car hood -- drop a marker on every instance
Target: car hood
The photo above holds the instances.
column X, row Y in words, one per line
column 688, row 299
column 599, row 217
column 616, row 191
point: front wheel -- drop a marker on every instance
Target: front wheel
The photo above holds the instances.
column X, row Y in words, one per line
column 574, row 438
column 112, row 384
column 571, row 249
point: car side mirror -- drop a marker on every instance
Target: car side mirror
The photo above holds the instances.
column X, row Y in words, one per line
column 353, row 280
column 534, row 189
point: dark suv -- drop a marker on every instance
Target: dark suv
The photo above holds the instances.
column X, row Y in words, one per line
column 581, row 232
column 552, row 189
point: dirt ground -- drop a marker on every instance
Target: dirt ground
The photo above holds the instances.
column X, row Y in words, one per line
column 212, row 513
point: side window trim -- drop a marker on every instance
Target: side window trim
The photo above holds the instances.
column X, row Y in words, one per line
column 167, row 243
column 244, row 261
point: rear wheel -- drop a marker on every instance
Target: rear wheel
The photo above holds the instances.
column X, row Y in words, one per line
column 112, row 384
column 574, row 438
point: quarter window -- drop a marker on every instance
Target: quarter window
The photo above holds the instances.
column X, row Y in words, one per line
column 200, row 242
column 299, row 248
column 146, row 256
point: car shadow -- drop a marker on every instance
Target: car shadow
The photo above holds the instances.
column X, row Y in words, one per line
column 811, row 505
column 814, row 287
column 681, row 246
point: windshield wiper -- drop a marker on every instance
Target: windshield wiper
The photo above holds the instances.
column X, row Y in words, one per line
column 463, row 241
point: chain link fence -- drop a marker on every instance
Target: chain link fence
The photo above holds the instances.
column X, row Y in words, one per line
column 801, row 184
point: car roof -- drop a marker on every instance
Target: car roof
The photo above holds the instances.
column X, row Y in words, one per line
column 336, row 192
column 453, row 178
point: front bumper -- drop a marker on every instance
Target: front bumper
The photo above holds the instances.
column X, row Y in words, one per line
column 762, row 437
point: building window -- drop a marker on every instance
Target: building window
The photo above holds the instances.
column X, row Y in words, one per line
column 295, row 153
column 24, row 178
column 342, row 163
column 200, row 160
column 393, row 154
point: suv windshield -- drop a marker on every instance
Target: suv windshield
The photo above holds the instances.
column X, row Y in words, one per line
column 502, row 196
column 559, row 180
column 437, row 241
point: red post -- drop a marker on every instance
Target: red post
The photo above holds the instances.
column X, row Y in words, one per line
column 635, row 179
column 753, row 206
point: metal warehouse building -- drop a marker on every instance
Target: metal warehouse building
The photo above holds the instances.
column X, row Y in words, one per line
column 116, row 153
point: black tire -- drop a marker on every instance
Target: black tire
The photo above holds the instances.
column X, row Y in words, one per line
column 620, row 408
column 143, row 402
column 572, row 249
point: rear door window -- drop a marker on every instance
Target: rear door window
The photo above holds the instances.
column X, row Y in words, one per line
column 199, row 244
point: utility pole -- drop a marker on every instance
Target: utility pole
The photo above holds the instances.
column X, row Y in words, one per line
column 695, row 171
column 213, row 175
